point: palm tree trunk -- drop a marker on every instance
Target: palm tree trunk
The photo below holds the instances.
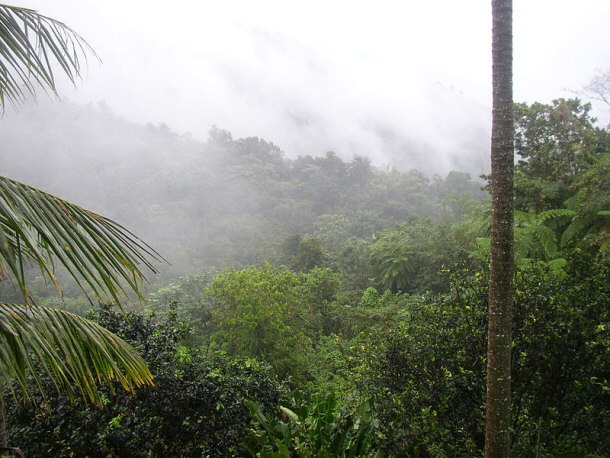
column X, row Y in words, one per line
column 497, row 421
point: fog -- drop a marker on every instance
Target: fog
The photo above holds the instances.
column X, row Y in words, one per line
column 404, row 83
column 312, row 177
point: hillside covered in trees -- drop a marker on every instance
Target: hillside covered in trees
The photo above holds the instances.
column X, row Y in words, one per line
column 224, row 201
column 317, row 306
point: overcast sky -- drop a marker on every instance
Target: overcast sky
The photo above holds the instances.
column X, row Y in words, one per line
column 350, row 76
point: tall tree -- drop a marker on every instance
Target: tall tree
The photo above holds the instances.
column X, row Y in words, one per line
column 599, row 87
column 497, row 420
column 37, row 228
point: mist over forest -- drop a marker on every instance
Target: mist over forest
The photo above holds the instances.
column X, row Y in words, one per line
column 352, row 292
column 352, row 280
column 227, row 200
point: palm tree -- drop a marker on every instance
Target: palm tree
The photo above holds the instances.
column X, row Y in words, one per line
column 39, row 229
column 497, row 416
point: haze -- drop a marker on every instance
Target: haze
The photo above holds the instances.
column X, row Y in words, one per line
column 404, row 83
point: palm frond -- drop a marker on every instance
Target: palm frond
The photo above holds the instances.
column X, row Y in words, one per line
column 31, row 45
column 74, row 352
column 97, row 252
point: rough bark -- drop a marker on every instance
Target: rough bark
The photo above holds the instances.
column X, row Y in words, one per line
column 497, row 420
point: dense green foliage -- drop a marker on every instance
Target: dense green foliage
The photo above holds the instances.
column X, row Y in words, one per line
column 271, row 314
column 224, row 202
column 556, row 144
column 331, row 308
column 429, row 374
column 196, row 407
column 40, row 229
column 314, row 427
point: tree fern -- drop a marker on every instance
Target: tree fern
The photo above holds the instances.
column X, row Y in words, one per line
column 556, row 216
column 547, row 239
column 525, row 242
column 393, row 255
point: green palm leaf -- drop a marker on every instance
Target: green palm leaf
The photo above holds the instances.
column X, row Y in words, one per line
column 40, row 228
column 74, row 352
column 30, row 46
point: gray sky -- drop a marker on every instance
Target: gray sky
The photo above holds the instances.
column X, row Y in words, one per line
column 356, row 77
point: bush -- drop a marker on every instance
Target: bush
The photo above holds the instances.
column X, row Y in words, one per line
column 314, row 427
column 428, row 372
column 196, row 407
